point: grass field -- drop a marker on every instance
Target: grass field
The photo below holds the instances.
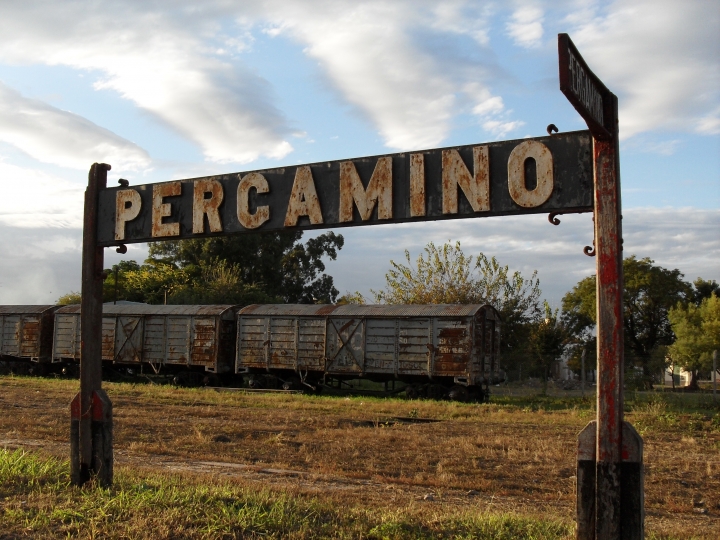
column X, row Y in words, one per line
column 196, row 463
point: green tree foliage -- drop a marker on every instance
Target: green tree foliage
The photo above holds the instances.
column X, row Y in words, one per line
column 352, row 298
column 445, row 275
column 705, row 289
column 548, row 338
column 69, row 298
column 265, row 268
column 698, row 334
column 650, row 292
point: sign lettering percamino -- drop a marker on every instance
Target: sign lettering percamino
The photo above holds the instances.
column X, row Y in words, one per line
column 546, row 174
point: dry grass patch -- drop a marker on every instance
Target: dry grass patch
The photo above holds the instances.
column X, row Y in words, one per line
column 515, row 454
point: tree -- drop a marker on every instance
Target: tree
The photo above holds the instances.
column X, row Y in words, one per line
column 277, row 263
column 650, row 292
column 267, row 268
column 698, row 334
column 548, row 338
column 445, row 275
column 705, row 289
column 73, row 297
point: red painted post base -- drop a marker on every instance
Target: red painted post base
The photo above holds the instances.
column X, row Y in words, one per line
column 595, row 480
column 100, row 464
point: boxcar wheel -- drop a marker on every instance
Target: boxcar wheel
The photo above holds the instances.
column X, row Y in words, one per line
column 412, row 391
column 458, row 393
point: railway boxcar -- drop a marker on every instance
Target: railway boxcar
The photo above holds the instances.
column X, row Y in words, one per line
column 26, row 333
column 435, row 349
column 177, row 338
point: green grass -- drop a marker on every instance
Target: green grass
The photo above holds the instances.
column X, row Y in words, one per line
column 36, row 500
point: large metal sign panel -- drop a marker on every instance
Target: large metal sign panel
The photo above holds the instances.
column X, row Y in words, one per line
column 540, row 175
column 584, row 90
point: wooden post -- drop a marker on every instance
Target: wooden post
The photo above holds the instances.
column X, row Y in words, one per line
column 91, row 409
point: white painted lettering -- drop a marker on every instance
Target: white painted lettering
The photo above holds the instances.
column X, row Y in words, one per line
column 262, row 213
column 161, row 209
column 516, row 174
column 476, row 187
column 203, row 206
column 127, row 208
column 379, row 191
column 303, row 199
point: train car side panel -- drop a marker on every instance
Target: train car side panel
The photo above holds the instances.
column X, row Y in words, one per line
column 454, row 347
column 252, row 337
column 345, row 346
column 311, row 344
column 380, row 350
column 9, row 345
column 414, row 335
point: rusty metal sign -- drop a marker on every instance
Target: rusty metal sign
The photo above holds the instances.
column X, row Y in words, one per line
column 584, row 90
column 539, row 175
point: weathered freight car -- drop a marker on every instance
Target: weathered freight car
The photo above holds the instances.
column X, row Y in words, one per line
column 187, row 340
column 438, row 350
column 26, row 333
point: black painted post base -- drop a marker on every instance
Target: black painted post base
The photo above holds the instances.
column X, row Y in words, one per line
column 595, row 487
column 101, row 429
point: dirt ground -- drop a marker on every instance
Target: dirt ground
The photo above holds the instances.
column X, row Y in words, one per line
column 378, row 452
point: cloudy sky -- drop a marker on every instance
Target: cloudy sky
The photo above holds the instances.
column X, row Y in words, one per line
column 166, row 90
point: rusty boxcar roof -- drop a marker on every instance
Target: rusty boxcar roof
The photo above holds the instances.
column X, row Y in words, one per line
column 356, row 310
column 151, row 309
column 25, row 310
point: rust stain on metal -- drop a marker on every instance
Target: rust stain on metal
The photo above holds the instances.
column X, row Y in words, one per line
column 379, row 191
column 609, row 292
column 327, row 310
column 161, row 209
column 417, row 185
column 516, row 174
column 204, row 206
column 476, row 187
column 303, row 199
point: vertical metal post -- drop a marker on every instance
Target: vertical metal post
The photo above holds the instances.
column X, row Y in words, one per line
column 608, row 238
column 619, row 491
column 91, row 410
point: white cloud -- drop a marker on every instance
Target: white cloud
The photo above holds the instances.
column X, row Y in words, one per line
column 35, row 199
column 710, row 123
column 686, row 239
column 526, row 25
column 660, row 57
column 62, row 138
column 373, row 53
column 164, row 60
column 501, row 129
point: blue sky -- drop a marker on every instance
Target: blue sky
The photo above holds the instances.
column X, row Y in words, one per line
column 164, row 90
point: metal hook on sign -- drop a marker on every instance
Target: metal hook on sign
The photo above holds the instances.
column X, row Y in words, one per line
column 587, row 250
column 551, row 128
column 552, row 216
column 122, row 248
